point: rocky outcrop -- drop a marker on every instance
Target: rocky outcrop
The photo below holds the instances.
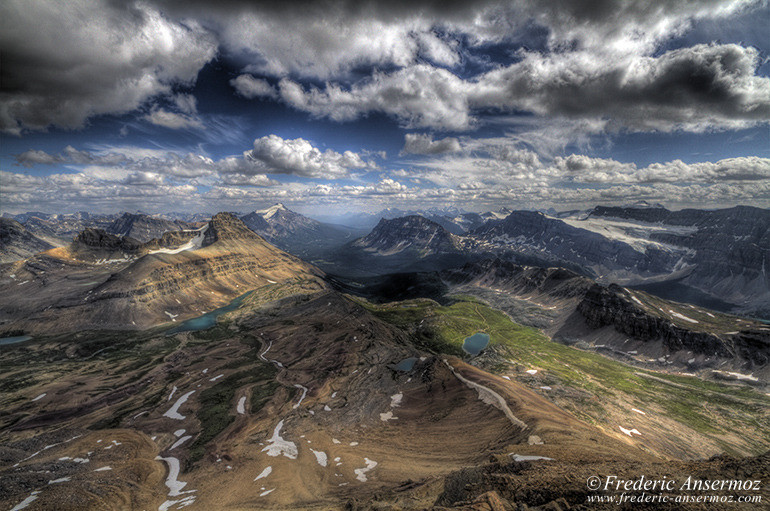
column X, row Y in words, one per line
column 728, row 249
column 228, row 227
column 413, row 233
column 99, row 239
column 609, row 306
column 533, row 233
column 144, row 227
column 498, row 273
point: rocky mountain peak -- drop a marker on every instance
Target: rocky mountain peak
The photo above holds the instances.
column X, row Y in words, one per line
column 414, row 231
column 226, row 226
column 100, row 239
column 272, row 210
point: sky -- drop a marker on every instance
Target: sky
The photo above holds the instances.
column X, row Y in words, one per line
column 345, row 106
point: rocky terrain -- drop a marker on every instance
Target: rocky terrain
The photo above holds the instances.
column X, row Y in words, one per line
column 60, row 229
column 17, row 243
column 144, row 375
column 411, row 243
column 106, row 281
column 630, row 325
column 144, row 227
column 713, row 259
column 317, row 400
column 298, row 234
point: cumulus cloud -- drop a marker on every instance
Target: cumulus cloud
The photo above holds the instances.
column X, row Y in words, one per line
column 60, row 192
column 274, row 154
column 691, row 88
column 89, row 58
column 419, row 96
column 601, row 61
column 416, row 143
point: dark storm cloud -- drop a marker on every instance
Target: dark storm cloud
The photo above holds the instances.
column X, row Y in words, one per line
column 697, row 87
column 64, row 62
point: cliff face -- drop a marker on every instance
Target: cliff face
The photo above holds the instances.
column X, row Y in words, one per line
column 410, row 233
column 613, row 306
column 99, row 239
column 533, row 233
column 144, row 227
column 497, row 273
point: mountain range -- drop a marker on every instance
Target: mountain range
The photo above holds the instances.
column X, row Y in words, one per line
column 272, row 361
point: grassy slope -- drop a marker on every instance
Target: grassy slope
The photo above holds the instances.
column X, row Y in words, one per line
column 707, row 407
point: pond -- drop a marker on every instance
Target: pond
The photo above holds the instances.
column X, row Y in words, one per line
column 209, row 319
column 14, row 340
column 475, row 343
column 406, row 365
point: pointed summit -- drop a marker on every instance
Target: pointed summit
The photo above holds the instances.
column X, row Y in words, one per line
column 272, row 210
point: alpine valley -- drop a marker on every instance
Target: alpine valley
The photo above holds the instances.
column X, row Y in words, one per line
column 417, row 360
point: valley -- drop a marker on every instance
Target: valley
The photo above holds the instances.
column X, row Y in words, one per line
column 208, row 369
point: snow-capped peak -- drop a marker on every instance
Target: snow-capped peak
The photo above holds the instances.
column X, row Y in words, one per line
column 272, row 210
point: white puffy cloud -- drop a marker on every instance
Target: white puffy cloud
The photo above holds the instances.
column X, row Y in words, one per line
column 419, row 96
column 601, row 61
column 274, row 154
column 416, row 143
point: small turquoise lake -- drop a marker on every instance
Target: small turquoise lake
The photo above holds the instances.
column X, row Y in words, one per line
column 209, row 319
column 14, row 340
column 406, row 365
column 475, row 343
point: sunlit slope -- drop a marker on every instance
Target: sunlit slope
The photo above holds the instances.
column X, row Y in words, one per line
column 677, row 416
column 116, row 283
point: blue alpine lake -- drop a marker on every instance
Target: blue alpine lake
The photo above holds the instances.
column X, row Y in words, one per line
column 209, row 319
column 475, row 343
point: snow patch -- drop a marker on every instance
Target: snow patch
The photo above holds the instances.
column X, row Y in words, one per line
column 278, row 445
column 320, row 457
column 180, row 442
column 241, row 405
column 629, row 432
column 26, row 502
column 302, row 397
column 173, row 412
column 264, row 473
column 385, row 417
column 41, row 396
column 361, row 472
column 682, row 316
column 523, row 457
